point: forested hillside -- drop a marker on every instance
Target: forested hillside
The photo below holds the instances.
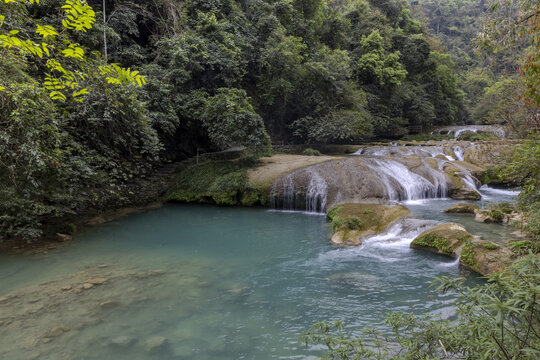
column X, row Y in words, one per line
column 217, row 73
column 490, row 76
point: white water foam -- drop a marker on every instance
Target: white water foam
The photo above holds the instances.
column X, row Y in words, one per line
column 399, row 236
column 421, row 151
column 403, row 184
column 505, row 192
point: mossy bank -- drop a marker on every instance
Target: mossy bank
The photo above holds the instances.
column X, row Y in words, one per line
column 220, row 182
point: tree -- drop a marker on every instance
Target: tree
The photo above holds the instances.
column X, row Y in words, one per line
column 377, row 65
column 65, row 61
column 515, row 25
column 69, row 123
column 230, row 121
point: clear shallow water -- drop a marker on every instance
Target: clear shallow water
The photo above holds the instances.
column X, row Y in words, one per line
column 234, row 284
column 433, row 209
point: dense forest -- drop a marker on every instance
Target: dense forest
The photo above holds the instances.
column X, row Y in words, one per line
column 77, row 122
column 217, row 74
column 490, row 75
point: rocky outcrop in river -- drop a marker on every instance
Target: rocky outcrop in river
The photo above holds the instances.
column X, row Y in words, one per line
column 356, row 178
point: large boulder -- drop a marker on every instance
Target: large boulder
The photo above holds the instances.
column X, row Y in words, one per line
column 353, row 222
column 445, row 239
column 462, row 209
column 485, row 257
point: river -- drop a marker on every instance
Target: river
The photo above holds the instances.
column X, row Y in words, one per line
column 202, row 282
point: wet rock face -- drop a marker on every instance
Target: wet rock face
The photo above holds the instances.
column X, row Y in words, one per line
column 445, row 239
column 390, row 173
column 465, row 194
column 322, row 186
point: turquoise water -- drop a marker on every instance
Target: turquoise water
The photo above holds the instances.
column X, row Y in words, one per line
column 238, row 284
column 199, row 282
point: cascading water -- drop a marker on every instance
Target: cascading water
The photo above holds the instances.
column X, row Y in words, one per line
column 396, row 173
column 316, row 194
column 470, row 181
column 499, row 131
column 403, row 184
column 459, row 152
column 312, row 199
column 421, row 151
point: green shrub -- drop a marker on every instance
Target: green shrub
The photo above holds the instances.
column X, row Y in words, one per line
column 523, row 247
column 496, row 214
column 502, row 313
column 467, row 254
column 367, row 212
column 432, row 240
column 337, row 223
column 492, row 174
column 353, row 223
column 221, row 182
column 490, row 246
column 311, row 152
column 334, row 211
column 505, row 207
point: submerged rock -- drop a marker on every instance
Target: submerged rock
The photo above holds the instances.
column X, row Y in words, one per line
column 462, row 209
column 519, row 235
column 64, row 237
column 123, row 341
column 97, row 281
column 57, row 331
column 445, row 239
column 155, row 344
column 353, row 222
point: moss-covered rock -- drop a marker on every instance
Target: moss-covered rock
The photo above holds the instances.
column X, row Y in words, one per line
column 311, row 152
column 353, row 222
column 217, row 182
column 462, row 209
column 490, row 153
column 485, row 257
column 489, row 216
column 444, row 239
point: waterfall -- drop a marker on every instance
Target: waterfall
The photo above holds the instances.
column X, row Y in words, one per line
column 420, row 151
column 470, row 181
column 459, row 151
column 316, row 194
column 497, row 130
column 312, row 199
column 403, row 184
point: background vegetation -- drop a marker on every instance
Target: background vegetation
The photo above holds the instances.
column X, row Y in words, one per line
column 77, row 124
